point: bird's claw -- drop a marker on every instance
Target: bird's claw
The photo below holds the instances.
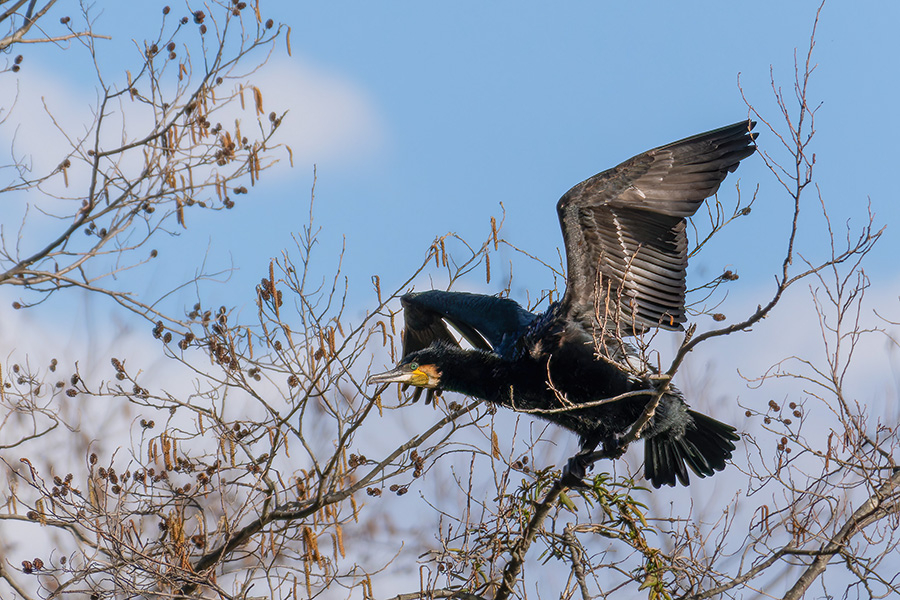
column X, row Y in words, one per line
column 611, row 449
column 575, row 471
column 576, row 468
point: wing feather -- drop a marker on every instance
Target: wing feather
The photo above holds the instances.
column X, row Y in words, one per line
column 483, row 321
column 624, row 230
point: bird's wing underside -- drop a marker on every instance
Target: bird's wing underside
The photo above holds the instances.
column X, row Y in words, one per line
column 624, row 230
column 483, row 321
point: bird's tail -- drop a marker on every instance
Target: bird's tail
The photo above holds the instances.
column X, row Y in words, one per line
column 704, row 446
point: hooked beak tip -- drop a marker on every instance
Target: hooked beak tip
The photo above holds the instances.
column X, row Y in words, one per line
column 386, row 377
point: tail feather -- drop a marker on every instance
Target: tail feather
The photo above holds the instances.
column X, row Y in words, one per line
column 705, row 446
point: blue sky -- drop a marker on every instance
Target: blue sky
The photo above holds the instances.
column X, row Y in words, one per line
column 421, row 118
column 515, row 103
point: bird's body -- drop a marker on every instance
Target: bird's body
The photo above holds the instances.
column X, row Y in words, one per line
column 626, row 247
column 541, row 367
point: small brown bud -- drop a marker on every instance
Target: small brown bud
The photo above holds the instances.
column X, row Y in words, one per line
column 730, row 275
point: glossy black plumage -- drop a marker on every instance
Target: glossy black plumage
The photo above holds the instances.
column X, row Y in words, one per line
column 626, row 249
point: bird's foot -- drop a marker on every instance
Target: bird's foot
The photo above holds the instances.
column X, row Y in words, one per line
column 576, row 469
column 611, row 448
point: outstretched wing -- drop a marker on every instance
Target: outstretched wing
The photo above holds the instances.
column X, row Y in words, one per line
column 483, row 321
column 624, row 230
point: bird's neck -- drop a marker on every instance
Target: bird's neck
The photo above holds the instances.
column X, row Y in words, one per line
column 476, row 373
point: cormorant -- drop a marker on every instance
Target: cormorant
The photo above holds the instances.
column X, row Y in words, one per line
column 626, row 251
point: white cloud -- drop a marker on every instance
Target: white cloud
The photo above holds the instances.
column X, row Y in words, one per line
column 29, row 105
column 330, row 118
column 330, row 121
column 791, row 334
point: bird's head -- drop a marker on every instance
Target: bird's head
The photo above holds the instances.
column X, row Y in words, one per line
column 412, row 370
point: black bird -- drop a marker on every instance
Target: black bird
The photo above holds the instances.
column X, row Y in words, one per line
column 626, row 251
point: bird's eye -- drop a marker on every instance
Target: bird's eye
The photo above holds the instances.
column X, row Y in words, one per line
column 413, row 366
